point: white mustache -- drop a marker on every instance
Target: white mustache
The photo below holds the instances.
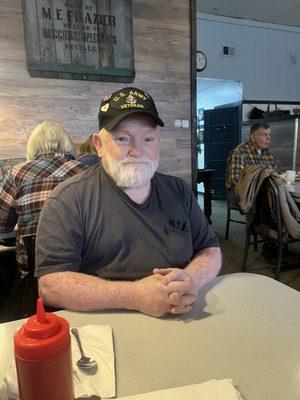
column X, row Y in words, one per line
column 143, row 160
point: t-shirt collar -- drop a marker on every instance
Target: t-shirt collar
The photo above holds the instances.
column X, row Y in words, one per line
column 253, row 148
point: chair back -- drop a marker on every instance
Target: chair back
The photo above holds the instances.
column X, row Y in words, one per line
column 29, row 243
column 21, row 302
column 266, row 221
column 232, row 200
column 267, row 215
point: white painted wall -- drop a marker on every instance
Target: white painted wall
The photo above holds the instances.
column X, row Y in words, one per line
column 260, row 60
column 283, row 12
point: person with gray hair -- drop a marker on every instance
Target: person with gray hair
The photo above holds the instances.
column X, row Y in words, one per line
column 51, row 157
column 255, row 151
column 131, row 237
column 49, row 137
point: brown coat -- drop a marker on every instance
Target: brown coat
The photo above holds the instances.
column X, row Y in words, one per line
column 247, row 189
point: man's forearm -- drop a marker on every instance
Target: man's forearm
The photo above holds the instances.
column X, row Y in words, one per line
column 81, row 292
column 205, row 265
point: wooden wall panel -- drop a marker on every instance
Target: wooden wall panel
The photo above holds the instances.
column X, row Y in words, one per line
column 162, row 62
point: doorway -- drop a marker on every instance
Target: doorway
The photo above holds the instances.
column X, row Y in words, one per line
column 218, row 127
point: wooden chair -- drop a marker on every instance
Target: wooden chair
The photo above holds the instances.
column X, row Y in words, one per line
column 264, row 220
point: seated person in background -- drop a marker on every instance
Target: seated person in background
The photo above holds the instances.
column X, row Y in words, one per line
column 131, row 238
column 87, row 153
column 6, row 164
column 253, row 151
column 50, row 160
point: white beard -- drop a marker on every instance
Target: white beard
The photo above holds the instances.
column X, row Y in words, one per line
column 131, row 172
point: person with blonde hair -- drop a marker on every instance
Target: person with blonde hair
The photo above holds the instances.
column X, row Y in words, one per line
column 49, row 137
column 51, row 157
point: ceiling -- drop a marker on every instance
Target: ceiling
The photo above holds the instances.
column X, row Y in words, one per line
column 282, row 12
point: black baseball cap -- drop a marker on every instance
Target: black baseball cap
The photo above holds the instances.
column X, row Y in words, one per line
column 129, row 100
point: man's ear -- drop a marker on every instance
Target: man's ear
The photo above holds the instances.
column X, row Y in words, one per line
column 97, row 143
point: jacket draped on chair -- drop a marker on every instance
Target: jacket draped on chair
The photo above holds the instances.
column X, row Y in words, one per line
column 253, row 182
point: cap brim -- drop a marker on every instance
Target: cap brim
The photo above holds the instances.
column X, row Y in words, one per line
column 114, row 121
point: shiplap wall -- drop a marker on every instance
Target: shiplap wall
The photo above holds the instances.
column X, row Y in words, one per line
column 162, row 62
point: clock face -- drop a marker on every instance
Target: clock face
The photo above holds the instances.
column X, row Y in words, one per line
column 201, row 61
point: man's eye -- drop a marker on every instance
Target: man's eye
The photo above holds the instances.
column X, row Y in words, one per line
column 122, row 139
column 149, row 139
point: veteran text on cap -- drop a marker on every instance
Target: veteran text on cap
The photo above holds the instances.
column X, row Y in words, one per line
column 118, row 105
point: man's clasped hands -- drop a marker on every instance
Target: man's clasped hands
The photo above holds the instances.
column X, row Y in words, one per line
column 168, row 290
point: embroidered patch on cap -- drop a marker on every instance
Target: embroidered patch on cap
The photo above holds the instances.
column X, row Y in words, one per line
column 105, row 107
column 131, row 99
column 107, row 97
column 124, row 102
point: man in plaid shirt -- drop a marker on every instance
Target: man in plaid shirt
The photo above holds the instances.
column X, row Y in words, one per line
column 253, row 151
column 51, row 160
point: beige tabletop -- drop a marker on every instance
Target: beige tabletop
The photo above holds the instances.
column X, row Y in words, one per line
column 244, row 326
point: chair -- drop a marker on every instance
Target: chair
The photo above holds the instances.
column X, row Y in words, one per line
column 232, row 204
column 264, row 220
column 21, row 301
column 204, row 175
column 8, row 271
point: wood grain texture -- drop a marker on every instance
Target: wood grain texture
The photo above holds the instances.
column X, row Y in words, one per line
column 79, row 39
column 161, row 32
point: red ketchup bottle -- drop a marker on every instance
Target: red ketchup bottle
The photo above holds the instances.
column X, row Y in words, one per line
column 43, row 357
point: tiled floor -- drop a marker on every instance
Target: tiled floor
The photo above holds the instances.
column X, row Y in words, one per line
column 232, row 249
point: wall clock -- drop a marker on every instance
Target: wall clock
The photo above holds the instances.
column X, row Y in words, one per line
column 201, row 61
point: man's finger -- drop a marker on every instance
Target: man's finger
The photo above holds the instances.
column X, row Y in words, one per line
column 174, row 275
column 184, row 300
column 180, row 309
column 162, row 271
column 180, row 287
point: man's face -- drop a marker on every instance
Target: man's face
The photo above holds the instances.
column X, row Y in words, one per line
column 129, row 152
column 261, row 138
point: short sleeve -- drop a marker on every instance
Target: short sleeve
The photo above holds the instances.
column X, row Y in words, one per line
column 59, row 239
column 203, row 235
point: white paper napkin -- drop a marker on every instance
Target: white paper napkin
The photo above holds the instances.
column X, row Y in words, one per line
column 222, row 389
column 97, row 342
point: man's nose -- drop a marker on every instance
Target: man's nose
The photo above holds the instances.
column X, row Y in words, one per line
column 136, row 149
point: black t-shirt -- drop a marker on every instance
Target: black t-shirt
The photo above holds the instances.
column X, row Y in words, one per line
column 90, row 225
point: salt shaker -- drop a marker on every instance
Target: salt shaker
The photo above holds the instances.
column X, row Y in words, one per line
column 42, row 348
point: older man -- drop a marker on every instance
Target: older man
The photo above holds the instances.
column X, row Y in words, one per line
column 122, row 235
column 253, row 151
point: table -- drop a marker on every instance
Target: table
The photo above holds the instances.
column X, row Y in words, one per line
column 7, row 239
column 243, row 326
column 7, row 235
column 204, row 175
column 295, row 192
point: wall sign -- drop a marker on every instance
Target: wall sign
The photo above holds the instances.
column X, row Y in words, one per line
column 79, row 39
